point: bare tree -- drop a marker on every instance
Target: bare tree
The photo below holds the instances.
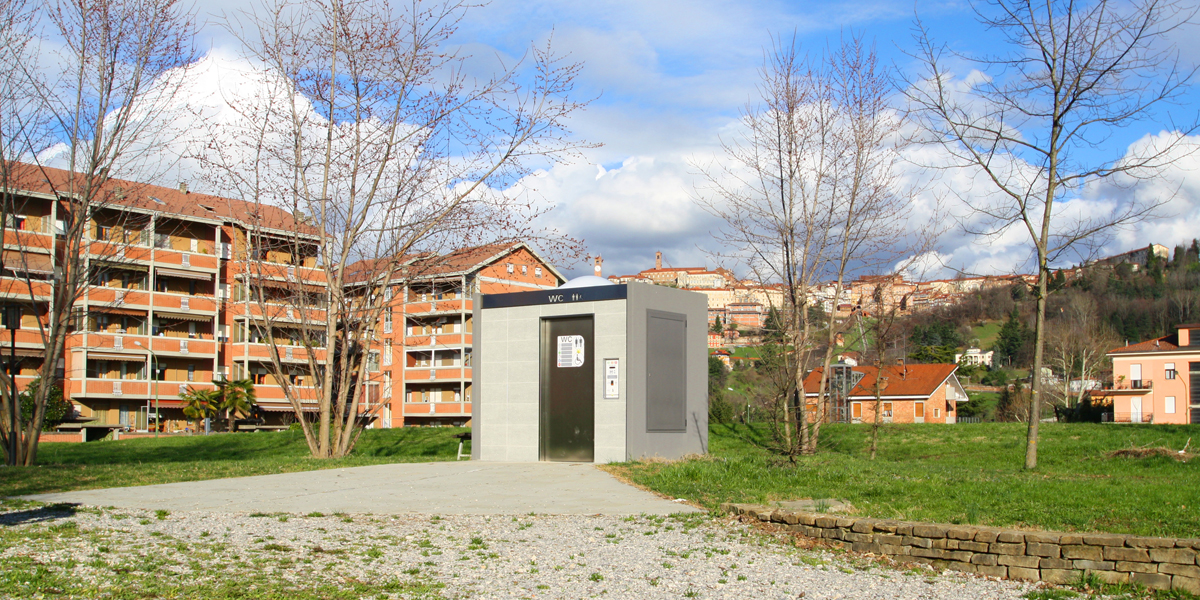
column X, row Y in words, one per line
column 96, row 102
column 1078, row 344
column 808, row 194
column 371, row 132
column 1075, row 73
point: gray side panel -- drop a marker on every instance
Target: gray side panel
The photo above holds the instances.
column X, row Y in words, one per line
column 666, row 371
column 476, row 380
column 642, row 299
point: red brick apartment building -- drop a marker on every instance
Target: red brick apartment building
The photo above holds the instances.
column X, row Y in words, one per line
column 168, row 306
column 425, row 339
column 165, row 306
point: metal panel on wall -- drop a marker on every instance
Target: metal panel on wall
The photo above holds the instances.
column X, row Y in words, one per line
column 568, row 373
column 666, row 371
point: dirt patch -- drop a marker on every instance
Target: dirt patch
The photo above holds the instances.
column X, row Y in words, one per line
column 1151, row 452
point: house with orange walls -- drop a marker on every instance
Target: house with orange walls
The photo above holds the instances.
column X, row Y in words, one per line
column 1156, row 381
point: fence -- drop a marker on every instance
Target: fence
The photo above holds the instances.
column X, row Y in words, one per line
column 969, row 420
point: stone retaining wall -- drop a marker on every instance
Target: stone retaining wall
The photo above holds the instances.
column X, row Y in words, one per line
column 1159, row 563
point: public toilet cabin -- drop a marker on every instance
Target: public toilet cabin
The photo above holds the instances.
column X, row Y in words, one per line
column 590, row 372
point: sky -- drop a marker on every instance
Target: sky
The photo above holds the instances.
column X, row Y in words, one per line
column 669, row 80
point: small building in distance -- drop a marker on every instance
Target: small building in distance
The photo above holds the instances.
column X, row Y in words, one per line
column 1156, row 381
column 975, row 356
column 1137, row 258
column 909, row 394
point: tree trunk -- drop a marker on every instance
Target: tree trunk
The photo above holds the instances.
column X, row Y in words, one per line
column 1035, row 400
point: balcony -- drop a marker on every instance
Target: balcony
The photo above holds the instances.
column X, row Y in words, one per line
column 449, row 340
column 18, row 287
column 436, row 373
column 119, row 298
column 27, row 338
column 139, row 389
column 261, row 352
column 437, row 307
column 185, row 303
column 1127, row 417
column 173, row 346
column 193, row 261
column 119, row 253
column 1124, row 387
column 27, row 239
column 437, row 409
column 109, row 388
column 106, row 341
column 267, row 392
column 279, row 272
column 277, row 313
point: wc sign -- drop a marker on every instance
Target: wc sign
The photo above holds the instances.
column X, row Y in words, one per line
column 570, row 351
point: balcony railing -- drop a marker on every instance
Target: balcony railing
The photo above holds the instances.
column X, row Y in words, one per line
column 1130, row 417
column 1126, row 385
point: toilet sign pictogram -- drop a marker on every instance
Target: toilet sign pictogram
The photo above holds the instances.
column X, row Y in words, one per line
column 570, row 351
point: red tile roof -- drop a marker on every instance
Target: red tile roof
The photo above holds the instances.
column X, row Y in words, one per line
column 427, row 265
column 169, row 201
column 1165, row 343
column 902, row 380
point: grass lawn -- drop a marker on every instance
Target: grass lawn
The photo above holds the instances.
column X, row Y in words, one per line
column 968, row 473
column 64, row 467
column 987, row 333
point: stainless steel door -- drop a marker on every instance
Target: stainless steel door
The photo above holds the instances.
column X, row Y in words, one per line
column 568, row 390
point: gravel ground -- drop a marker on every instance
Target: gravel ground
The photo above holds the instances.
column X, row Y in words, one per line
column 124, row 553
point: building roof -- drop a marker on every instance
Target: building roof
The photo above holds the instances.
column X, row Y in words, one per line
column 461, row 261
column 902, row 380
column 1166, row 343
column 153, row 198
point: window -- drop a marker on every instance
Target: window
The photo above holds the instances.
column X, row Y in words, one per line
column 856, row 410
column 887, row 410
column 15, row 222
column 537, row 272
column 919, row 410
column 191, row 372
column 524, row 270
column 1169, row 372
column 937, row 412
column 1169, row 405
column 102, row 232
column 509, row 266
column 373, row 362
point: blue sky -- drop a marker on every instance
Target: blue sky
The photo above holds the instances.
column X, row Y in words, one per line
column 671, row 78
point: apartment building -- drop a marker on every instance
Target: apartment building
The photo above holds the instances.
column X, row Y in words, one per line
column 424, row 343
column 166, row 305
column 1156, row 381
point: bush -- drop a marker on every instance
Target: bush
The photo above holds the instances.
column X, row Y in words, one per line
column 58, row 409
column 719, row 409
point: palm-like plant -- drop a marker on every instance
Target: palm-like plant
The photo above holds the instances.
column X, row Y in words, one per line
column 235, row 398
column 200, row 404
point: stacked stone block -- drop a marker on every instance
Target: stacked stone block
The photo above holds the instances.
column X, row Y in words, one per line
column 1158, row 563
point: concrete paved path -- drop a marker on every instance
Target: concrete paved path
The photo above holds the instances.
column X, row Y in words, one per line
column 462, row 488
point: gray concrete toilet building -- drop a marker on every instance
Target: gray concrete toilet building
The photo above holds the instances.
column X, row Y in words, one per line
column 590, row 372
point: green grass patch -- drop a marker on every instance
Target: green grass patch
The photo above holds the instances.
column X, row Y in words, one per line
column 147, row 461
column 967, row 473
column 986, row 333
